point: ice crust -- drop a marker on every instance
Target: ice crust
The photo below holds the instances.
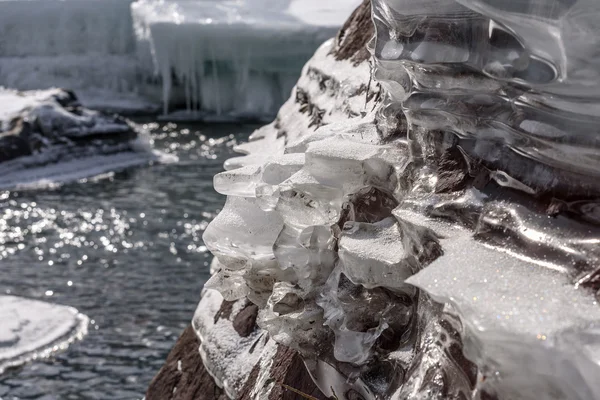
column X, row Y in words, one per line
column 509, row 304
column 234, row 59
column 229, row 358
column 412, row 237
column 33, row 330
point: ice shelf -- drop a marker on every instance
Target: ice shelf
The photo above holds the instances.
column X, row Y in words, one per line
column 234, row 59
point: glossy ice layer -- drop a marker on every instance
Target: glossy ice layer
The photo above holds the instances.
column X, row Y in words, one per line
column 431, row 230
column 499, row 101
column 233, row 57
column 515, row 82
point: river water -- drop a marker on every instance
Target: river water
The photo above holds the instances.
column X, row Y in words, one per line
column 126, row 251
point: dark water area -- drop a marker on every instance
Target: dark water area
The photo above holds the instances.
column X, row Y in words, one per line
column 127, row 252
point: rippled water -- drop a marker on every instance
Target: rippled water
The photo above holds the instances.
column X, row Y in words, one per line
column 127, row 251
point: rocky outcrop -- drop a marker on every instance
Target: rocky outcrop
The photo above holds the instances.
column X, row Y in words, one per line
column 334, row 87
column 393, row 226
column 48, row 136
column 56, row 118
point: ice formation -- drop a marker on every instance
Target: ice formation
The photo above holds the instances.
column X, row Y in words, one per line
column 430, row 230
column 83, row 45
column 233, row 57
column 48, row 138
column 227, row 57
column 33, row 329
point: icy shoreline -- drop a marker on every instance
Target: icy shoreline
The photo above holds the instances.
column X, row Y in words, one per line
column 232, row 59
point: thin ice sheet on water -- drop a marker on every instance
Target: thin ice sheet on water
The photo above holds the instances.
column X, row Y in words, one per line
column 31, row 329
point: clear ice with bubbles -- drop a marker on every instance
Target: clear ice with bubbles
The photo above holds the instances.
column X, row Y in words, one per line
column 435, row 234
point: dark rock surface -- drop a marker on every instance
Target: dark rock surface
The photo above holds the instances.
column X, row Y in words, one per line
column 355, row 34
column 183, row 377
column 290, row 376
column 245, row 322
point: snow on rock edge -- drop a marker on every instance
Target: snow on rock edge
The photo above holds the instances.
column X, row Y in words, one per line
column 48, row 138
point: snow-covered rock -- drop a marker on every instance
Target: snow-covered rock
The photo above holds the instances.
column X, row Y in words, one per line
column 48, row 138
column 31, row 329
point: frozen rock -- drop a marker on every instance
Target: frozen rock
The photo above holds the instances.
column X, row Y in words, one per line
column 48, row 138
column 437, row 235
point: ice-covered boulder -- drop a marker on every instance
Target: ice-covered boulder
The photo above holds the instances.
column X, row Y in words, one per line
column 47, row 137
column 31, row 329
column 426, row 228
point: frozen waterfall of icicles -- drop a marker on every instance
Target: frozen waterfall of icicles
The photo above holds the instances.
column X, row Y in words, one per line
column 237, row 58
column 433, row 233
column 224, row 58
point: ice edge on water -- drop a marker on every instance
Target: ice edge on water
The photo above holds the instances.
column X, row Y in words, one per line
column 26, row 349
column 201, row 59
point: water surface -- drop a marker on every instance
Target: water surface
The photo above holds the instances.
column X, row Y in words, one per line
column 127, row 251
